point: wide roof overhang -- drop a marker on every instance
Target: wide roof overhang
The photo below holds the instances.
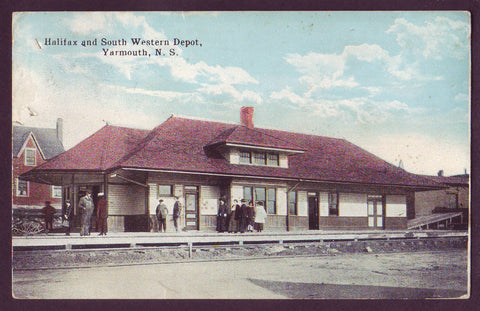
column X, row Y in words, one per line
column 63, row 177
column 69, row 177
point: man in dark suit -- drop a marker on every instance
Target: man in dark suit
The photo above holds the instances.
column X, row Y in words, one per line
column 177, row 207
column 67, row 216
column 102, row 214
column 243, row 216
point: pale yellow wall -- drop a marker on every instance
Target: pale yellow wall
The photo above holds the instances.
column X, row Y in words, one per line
column 126, row 199
column 302, row 203
column 352, row 205
column 281, row 196
column 234, row 156
column 209, row 197
column 283, row 160
column 323, row 204
column 396, row 206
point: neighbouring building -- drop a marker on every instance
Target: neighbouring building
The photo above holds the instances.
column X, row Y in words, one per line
column 307, row 182
column 32, row 147
column 454, row 197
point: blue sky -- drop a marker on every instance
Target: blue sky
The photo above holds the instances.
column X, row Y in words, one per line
column 395, row 83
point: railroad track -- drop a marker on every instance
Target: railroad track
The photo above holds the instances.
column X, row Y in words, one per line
column 202, row 252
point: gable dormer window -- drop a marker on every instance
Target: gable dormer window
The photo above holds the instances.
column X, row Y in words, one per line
column 30, row 157
column 260, row 158
column 245, row 157
column 272, row 159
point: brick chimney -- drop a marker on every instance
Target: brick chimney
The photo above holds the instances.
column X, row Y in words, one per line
column 246, row 116
column 60, row 129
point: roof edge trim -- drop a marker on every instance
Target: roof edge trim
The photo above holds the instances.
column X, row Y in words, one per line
column 292, row 151
column 30, row 134
column 424, row 188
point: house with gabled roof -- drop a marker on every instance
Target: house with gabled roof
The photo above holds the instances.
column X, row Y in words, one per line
column 306, row 182
column 31, row 147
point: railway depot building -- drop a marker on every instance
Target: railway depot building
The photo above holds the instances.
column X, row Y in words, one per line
column 306, row 182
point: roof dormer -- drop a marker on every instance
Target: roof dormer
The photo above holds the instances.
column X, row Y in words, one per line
column 246, row 145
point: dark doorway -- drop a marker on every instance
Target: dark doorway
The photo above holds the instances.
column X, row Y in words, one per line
column 191, row 208
column 313, row 212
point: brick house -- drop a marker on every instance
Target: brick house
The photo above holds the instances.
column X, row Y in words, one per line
column 31, row 147
column 306, row 182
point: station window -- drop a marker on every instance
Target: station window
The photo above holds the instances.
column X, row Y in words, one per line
column 292, row 202
column 22, row 188
column 265, row 195
column 165, row 190
column 56, row 191
column 245, row 157
column 30, row 157
column 260, row 158
column 333, row 204
column 260, row 194
column 248, row 194
column 272, row 159
column 271, row 201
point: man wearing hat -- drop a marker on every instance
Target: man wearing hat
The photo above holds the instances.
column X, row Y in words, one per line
column 242, row 216
column 86, row 209
column 162, row 213
column 67, row 215
column 102, row 214
column 48, row 212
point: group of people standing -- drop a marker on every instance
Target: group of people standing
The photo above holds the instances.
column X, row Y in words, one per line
column 162, row 214
column 244, row 217
column 86, row 207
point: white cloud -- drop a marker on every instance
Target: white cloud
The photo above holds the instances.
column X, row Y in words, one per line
column 184, row 71
column 326, row 71
column 87, row 23
column 363, row 109
column 419, row 153
column 366, row 52
column 129, row 19
column 166, row 95
column 230, row 92
column 434, row 39
column 462, row 97
column 287, row 94
column 82, row 117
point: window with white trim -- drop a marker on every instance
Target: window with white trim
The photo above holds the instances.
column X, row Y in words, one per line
column 272, row 159
column 56, row 191
column 30, row 157
column 265, row 195
column 333, row 204
column 165, row 190
column 271, row 201
column 259, row 158
column 22, row 188
column 245, row 157
column 292, row 202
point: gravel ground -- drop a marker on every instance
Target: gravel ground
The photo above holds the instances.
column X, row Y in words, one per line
column 24, row 260
column 405, row 275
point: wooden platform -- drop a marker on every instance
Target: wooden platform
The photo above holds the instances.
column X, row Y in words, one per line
column 433, row 221
column 144, row 239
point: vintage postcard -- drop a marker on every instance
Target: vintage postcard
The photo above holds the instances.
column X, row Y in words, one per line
column 241, row 155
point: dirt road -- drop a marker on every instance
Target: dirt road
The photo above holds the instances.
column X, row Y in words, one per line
column 397, row 275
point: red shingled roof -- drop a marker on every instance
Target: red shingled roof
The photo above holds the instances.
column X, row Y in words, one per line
column 455, row 180
column 243, row 135
column 99, row 151
column 178, row 145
